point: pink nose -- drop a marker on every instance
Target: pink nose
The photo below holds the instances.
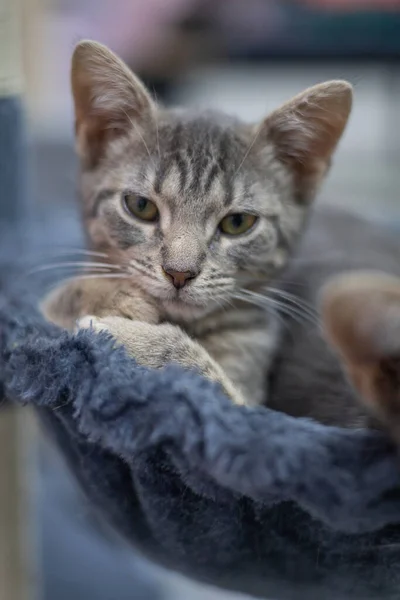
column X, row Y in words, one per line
column 178, row 278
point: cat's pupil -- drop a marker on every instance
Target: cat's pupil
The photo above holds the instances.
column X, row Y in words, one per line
column 141, row 203
column 237, row 220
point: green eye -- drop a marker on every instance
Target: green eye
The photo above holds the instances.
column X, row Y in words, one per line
column 140, row 207
column 237, row 223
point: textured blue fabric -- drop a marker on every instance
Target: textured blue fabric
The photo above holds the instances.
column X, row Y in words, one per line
column 245, row 498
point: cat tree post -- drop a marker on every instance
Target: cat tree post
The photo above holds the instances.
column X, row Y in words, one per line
column 16, row 523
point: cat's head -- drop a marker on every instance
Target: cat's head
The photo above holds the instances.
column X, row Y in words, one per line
column 195, row 205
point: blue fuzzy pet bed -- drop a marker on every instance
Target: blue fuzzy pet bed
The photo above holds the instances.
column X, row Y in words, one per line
column 248, row 499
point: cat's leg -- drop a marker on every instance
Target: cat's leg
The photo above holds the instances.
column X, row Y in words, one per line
column 100, row 297
column 246, row 355
column 159, row 345
column 361, row 315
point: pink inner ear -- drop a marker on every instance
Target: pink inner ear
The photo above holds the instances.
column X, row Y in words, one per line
column 109, row 99
column 306, row 130
column 305, row 137
column 91, row 139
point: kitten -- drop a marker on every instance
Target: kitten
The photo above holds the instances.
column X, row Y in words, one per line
column 199, row 211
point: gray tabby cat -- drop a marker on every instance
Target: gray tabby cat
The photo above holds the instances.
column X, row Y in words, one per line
column 195, row 213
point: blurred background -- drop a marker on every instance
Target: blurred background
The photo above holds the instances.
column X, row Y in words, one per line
column 242, row 56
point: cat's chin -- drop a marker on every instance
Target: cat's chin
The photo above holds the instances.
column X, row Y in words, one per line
column 179, row 310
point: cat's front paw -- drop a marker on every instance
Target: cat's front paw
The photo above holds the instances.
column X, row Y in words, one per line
column 150, row 345
column 159, row 345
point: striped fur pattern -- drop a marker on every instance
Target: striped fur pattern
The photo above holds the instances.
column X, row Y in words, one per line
column 197, row 167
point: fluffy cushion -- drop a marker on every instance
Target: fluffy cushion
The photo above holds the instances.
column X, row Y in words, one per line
column 245, row 498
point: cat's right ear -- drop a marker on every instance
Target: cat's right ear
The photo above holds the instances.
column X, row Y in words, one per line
column 109, row 99
column 304, row 133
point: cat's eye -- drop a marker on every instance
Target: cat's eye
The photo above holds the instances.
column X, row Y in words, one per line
column 237, row 223
column 140, row 207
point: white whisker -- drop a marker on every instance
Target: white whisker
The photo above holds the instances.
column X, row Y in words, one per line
column 280, row 318
column 286, row 296
column 90, row 276
column 294, row 300
column 158, row 138
column 141, row 137
column 69, row 250
column 297, row 315
column 266, row 301
column 156, row 124
column 249, row 149
column 73, row 264
column 103, row 276
column 266, row 306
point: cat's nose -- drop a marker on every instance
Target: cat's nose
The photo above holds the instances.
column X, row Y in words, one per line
column 179, row 278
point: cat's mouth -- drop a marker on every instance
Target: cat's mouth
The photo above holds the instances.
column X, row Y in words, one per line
column 182, row 300
column 184, row 303
column 185, row 307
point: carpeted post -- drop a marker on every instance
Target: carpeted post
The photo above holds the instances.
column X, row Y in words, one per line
column 16, row 573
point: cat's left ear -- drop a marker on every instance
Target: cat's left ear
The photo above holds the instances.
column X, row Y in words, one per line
column 109, row 99
column 304, row 132
column 361, row 318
